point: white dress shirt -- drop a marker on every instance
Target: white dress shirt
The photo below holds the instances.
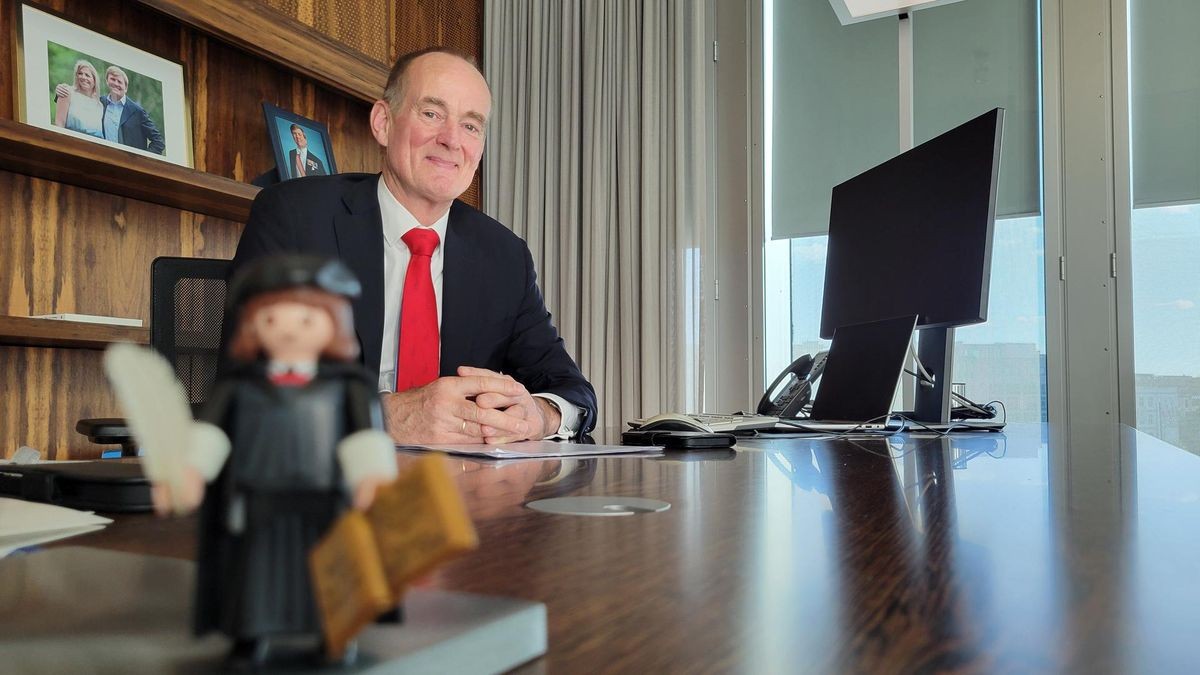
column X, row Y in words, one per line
column 112, row 118
column 397, row 221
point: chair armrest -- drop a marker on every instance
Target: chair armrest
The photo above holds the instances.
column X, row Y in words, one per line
column 109, row 431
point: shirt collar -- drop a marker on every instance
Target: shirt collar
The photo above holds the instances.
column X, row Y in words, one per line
column 308, row 368
column 114, row 101
column 397, row 220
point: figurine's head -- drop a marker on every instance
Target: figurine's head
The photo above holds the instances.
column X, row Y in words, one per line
column 293, row 308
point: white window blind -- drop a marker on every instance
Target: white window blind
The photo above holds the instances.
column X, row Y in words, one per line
column 1165, row 101
column 973, row 56
column 834, row 112
column 835, row 98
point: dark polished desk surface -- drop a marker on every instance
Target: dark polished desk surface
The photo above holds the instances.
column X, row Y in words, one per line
column 975, row 553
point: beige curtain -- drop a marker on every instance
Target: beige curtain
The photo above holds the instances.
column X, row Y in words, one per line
column 595, row 156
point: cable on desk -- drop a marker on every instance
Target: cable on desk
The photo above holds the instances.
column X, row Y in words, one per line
column 969, row 410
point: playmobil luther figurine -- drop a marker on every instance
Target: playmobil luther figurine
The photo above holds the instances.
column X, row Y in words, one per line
column 305, row 430
column 294, row 396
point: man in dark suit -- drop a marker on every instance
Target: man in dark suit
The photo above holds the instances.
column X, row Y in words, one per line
column 301, row 162
column 125, row 121
column 451, row 317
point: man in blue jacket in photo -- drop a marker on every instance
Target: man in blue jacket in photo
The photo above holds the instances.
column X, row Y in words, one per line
column 126, row 121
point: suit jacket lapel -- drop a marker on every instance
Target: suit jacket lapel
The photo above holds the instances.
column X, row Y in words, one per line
column 126, row 112
column 105, row 101
column 359, row 234
column 459, row 300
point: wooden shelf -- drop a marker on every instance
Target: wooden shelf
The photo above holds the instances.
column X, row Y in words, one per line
column 61, row 157
column 276, row 37
column 22, row 331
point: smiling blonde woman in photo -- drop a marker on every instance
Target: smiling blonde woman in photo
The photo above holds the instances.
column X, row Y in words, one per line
column 78, row 107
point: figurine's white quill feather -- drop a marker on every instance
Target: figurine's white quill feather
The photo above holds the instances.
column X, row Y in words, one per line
column 156, row 409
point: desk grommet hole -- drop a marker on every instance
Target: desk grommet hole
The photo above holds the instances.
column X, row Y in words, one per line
column 599, row 506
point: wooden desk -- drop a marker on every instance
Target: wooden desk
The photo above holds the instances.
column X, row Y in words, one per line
column 971, row 554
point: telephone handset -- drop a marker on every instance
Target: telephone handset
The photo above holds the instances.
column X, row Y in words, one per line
column 792, row 390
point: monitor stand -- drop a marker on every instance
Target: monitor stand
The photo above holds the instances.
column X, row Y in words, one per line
column 935, row 349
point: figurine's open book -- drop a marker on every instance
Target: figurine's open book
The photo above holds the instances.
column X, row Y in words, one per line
column 360, row 568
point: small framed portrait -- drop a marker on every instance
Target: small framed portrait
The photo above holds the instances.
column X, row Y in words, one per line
column 78, row 82
column 301, row 145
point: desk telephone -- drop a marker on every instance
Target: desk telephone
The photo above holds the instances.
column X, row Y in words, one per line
column 792, row 390
column 786, row 398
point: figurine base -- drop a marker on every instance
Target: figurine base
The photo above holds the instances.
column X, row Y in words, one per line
column 81, row 609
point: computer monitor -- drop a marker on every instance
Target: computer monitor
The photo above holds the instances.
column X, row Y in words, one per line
column 913, row 235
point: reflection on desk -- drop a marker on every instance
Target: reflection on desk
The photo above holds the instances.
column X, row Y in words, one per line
column 992, row 553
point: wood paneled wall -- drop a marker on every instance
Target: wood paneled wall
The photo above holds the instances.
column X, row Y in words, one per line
column 69, row 249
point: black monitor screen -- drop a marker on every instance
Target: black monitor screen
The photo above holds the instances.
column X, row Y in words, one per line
column 914, row 234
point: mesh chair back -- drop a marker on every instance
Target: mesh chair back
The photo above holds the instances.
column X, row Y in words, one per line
column 187, row 306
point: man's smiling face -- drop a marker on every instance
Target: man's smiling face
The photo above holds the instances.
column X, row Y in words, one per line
column 116, row 86
column 435, row 136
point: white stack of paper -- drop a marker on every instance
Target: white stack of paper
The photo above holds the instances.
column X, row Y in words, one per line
column 542, row 450
column 27, row 523
column 92, row 318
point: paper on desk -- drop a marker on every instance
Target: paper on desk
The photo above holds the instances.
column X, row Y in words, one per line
column 544, row 449
column 27, row 523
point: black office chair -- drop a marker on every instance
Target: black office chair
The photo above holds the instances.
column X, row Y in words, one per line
column 187, row 307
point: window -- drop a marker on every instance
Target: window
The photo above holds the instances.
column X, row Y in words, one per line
column 832, row 107
column 1165, row 223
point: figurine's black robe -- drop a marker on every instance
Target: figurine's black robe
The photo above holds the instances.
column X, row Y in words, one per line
column 278, row 493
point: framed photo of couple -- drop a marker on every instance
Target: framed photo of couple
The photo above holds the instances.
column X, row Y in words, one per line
column 301, row 145
column 78, row 82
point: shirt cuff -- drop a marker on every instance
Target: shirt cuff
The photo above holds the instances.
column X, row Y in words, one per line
column 570, row 413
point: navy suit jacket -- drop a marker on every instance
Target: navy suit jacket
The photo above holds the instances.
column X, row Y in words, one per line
column 493, row 315
column 136, row 128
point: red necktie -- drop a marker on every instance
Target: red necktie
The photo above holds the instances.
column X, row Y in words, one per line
column 417, row 356
column 290, row 379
